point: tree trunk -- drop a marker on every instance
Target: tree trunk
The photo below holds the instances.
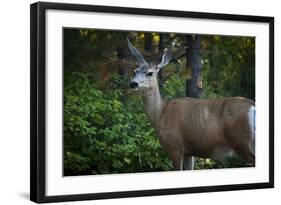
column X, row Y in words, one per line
column 123, row 55
column 148, row 42
column 193, row 61
column 161, row 45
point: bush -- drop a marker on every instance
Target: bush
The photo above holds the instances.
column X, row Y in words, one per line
column 106, row 131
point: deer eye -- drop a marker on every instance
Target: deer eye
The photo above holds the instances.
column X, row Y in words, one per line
column 149, row 74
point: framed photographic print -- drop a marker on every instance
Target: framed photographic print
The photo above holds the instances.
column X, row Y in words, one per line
column 129, row 102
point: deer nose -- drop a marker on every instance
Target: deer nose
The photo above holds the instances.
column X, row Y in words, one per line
column 133, row 84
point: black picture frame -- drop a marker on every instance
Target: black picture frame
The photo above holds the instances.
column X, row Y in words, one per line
column 38, row 100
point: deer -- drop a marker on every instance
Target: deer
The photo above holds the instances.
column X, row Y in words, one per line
column 193, row 127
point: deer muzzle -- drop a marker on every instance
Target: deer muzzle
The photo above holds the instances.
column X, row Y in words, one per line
column 133, row 84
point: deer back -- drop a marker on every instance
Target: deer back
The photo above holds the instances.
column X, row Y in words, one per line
column 202, row 124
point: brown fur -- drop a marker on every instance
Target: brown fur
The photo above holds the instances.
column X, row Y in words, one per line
column 205, row 128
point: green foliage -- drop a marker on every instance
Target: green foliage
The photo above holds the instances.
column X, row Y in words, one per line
column 103, row 133
column 174, row 87
column 229, row 67
column 201, row 163
column 233, row 161
column 76, row 163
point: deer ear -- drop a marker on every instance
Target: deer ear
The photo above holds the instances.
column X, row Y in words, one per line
column 166, row 57
column 136, row 53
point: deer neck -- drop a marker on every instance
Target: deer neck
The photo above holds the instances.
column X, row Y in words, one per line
column 153, row 104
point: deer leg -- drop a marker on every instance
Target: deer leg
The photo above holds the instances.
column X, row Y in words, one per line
column 242, row 141
column 177, row 160
column 253, row 145
column 188, row 163
column 244, row 150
